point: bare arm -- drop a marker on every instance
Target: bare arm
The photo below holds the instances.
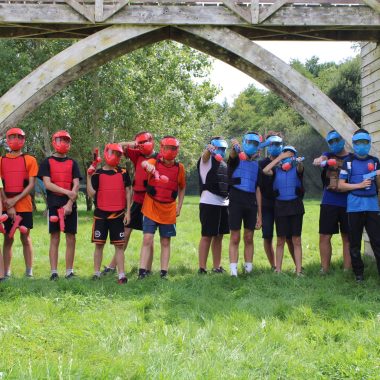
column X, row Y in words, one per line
column 317, row 161
column 72, row 194
column 90, row 190
column 128, row 198
column 344, row 186
column 259, row 208
column 181, row 196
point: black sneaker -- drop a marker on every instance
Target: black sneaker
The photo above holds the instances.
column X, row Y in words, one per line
column 70, row 276
column 148, row 272
column 108, row 270
column 123, row 280
column 359, row 278
column 164, row 274
column 95, row 277
column 54, row 277
column 142, row 274
column 218, row 270
column 202, row 271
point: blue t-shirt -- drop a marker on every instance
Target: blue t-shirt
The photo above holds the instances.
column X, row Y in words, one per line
column 354, row 202
column 334, row 198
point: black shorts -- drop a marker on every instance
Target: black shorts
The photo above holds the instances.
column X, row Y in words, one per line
column 71, row 221
column 214, row 219
column 333, row 219
column 268, row 222
column 114, row 225
column 239, row 212
column 289, row 225
column 136, row 222
column 27, row 221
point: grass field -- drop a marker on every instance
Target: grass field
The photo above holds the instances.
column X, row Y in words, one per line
column 263, row 326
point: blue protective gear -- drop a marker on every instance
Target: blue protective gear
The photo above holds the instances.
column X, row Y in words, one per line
column 361, row 136
column 361, row 143
column 335, row 142
column 251, row 142
column 287, row 184
column 220, row 145
column 275, row 145
column 357, row 170
column 289, row 148
column 362, row 149
column 245, row 176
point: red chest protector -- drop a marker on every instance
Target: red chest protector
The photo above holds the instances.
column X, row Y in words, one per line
column 141, row 177
column 14, row 174
column 61, row 173
column 111, row 192
column 164, row 192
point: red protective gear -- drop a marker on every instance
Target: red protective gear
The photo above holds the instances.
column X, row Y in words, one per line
column 17, row 142
column 60, row 143
column 169, row 147
column 145, row 143
column 111, row 192
column 15, row 175
column 112, row 154
column 61, row 173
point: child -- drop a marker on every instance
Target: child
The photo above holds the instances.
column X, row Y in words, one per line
column 362, row 202
column 159, row 208
column 18, row 172
column 139, row 150
column 110, row 187
column 213, row 206
column 61, row 177
column 245, row 199
column 289, row 208
column 333, row 214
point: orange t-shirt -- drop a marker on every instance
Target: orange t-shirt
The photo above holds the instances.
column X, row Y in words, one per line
column 163, row 213
column 24, row 204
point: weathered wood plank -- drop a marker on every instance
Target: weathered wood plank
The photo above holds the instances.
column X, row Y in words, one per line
column 82, row 9
column 376, row 134
column 370, row 78
column 368, row 99
column 367, row 48
column 370, row 108
column 245, row 14
column 115, row 9
column 255, row 11
column 370, row 57
column 374, row 117
column 268, row 11
column 374, row 4
column 98, row 10
column 367, row 70
column 371, row 88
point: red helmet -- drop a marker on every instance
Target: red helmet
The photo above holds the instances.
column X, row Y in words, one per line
column 61, row 142
column 112, row 154
column 169, row 147
column 15, row 138
column 145, row 143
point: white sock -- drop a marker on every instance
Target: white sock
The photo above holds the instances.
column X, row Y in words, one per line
column 121, row 275
column 112, row 268
column 69, row 271
column 9, row 273
column 97, row 274
column 233, row 267
column 29, row 271
column 54, row 271
column 248, row 267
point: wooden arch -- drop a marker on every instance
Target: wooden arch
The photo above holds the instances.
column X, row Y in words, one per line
column 220, row 42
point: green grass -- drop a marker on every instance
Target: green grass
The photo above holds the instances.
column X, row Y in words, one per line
column 263, row 326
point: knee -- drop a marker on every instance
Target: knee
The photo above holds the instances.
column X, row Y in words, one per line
column 25, row 239
column 70, row 238
column 296, row 240
column 148, row 240
column 324, row 238
column 280, row 241
column 235, row 238
column 248, row 238
column 165, row 242
column 55, row 238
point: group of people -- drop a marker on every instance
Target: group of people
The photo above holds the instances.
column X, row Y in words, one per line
column 239, row 190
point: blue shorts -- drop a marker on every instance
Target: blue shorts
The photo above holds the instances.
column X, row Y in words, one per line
column 166, row 230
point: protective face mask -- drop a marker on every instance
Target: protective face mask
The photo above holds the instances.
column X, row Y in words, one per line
column 362, row 149
column 337, row 147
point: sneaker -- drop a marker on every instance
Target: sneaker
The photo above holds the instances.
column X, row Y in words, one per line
column 202, row 271
column 95, row 277
column 359, row 278
column 123, row 280
column 164, row 274
column 300, row 274
column 54, row 277
column 29, row 275
column 70, row 276
column 2, row 279
column 108, row 270
column 148, row 272
column 218, row 270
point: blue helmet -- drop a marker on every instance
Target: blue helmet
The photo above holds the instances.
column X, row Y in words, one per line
column 289, row 148
column 335, row 142
column 275, row 145
column 251, row 142
column 361, row 143
column 220, row 145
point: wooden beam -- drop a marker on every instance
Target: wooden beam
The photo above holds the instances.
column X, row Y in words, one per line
column 110, row 12
column 84, row 10
column 255, row 9
column 98, row 10
column 268, row 11
column 245, row 14
column 374, row 4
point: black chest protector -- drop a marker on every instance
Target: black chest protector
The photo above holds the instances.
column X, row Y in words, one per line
column 216, row 179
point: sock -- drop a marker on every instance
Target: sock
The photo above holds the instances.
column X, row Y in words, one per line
column 29, row 271
column 248, row 267
column 163, row 273
column 69, row 271
column 233, row 267
column 121, row 275
column 142, row 271
column 8, row 274
column 97, row 274
column 112, row 268
column 54, row 271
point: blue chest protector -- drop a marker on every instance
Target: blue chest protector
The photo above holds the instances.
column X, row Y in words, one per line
column 356, row 169
column 245, row 176
column 287, row 184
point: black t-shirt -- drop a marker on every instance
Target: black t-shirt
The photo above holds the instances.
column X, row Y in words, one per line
column 239, row 196
column 54, row 200
column 266, row 185
column 95, row 185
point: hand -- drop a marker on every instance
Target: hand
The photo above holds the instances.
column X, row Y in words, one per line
column 178, row 211
column 127, row 218
column 259, row 222
column 318, row 161
column 150, row 168
column 11, row 213
column 365, row 183
column 10, row 202
column 210, row 147
column 91, row 170
column 234, row 142
column 286, row 154
column 68, row 208
column 72, row 195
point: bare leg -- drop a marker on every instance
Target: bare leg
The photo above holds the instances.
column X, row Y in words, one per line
column 216, row 248
column 279, row 252
column 147, row 243
column 297, row 253
column 234, row 246
column 346, row 252
column 204, row 247
column 289, row 243
column 27, row 247
column 7, row 251
column 150, row 260
column 119, row 253
column 53, row 250
column 2, row 274
column 248, row 245
column 98, row 257
column 70, row 250
column 268, row 248
column 127, row 235
column 325, row 251
column 165, row 252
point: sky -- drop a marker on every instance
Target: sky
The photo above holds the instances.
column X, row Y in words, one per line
column 233, row 81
